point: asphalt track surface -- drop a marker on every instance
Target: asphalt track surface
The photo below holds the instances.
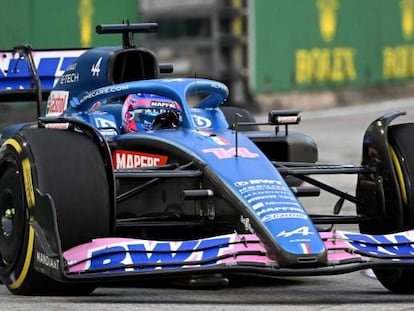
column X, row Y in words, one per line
column 338, row 133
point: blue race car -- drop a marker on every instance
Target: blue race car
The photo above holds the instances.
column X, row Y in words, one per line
column 127, row 176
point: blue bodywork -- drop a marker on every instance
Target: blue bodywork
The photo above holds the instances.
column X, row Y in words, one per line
column 243, row 171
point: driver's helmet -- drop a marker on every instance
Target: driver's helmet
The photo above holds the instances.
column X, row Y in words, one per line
column 146, row 112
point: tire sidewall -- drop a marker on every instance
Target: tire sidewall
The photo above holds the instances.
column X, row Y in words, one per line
column 402, row 153
column 13, row 153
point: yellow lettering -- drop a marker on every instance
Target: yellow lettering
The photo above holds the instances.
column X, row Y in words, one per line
column 350, row 71
column 325, row 65
column 398, row 62
column 387, row 63
column 411, row 60
column 337, row 66
column 303, row 67
column 401, row 62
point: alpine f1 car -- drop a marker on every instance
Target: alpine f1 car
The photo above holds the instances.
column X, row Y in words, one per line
column 127, row 176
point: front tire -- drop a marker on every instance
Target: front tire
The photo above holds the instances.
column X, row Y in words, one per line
column 401, row 145
column 67, row 166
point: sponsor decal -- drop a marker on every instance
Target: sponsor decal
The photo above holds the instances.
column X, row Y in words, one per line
column 251, row 191
column 124, row 255
column 392, row 244
column 397, row 60
column 126, row 159
column 173, row 80
column 274, row 196
column 256, row 193
column 326, row 64
column 305, row 248
column 156, row 253
column 328, row 10
column 103, row 91
column 201, row 122
column 135, row 103
column 220, row 140
column 257, row 182
column 58, row 126
column 223, row 153
column 288, row 119
column 47, row 261
column 96, row 68
column 263, row 197
column 270, row 199
column 161, row 104
column 69, row 78
column 258, row 205
column 304, row 231
column 102, row 122
column 317, row 65
column 274, row 209
column 215, row 138
column 57, row 103
column 394, row 247
column 14, row 72
column 275, row 216
column 108, row 132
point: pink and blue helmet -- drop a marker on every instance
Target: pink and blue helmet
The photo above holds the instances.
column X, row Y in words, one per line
column 146, row 112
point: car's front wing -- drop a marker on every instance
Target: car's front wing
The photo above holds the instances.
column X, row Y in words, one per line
column 117, row 258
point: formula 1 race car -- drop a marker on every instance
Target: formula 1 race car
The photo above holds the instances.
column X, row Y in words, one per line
column 127, row 176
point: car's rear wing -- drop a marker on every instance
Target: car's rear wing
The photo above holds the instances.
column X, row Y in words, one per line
column 27, row 74
column 30, row 75
column 24, row 73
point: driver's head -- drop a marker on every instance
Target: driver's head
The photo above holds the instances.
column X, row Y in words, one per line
column 144, row 112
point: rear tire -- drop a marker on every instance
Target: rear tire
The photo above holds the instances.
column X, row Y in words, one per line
column 69, row 167
column 401, row 143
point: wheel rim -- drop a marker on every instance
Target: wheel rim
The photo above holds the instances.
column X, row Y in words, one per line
column 12, row 218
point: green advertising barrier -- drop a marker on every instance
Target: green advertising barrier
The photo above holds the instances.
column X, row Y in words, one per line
column 313, row 44
column 61, row 23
